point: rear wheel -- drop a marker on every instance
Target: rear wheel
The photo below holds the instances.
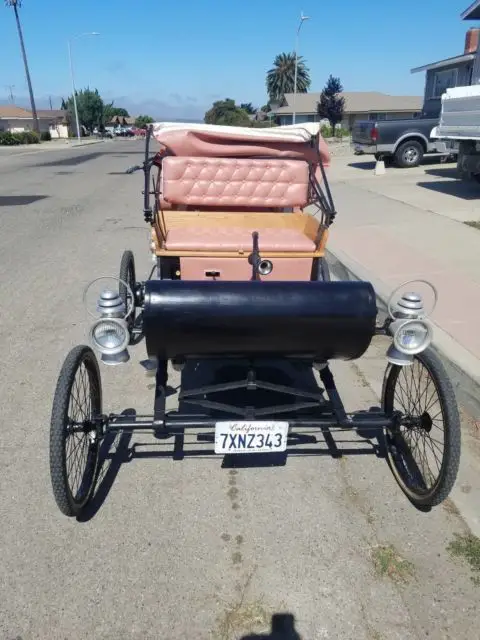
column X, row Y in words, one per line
column 409, row 154
column 424, row 450
column 74, row 434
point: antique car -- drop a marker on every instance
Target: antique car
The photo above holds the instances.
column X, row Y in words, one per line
column 239, row 221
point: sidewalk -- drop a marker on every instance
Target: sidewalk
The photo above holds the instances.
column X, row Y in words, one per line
column 387, row 242
column 52, row 145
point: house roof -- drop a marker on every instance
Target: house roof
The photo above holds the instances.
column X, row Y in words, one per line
column 122, row 120
column 473, row 11
column 11, row 111
column 52, row 114
column 355, row 102
column 465, row 57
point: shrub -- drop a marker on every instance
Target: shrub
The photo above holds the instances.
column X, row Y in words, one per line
column 45, row 136
column 340, row 132
column 262, row 124
column 8, row 139
column 24, row 137
column 29, row 137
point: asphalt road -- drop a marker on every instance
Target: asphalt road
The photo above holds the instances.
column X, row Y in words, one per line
column 180, row 549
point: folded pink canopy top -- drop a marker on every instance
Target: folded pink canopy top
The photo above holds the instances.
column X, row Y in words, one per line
column 294, row 142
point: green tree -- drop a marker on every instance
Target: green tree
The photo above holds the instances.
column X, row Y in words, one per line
column 119, row 111
column 281, row 77
column 142, row 121
column 331, row 104
column 91, row 108
column 226, row 112
column 16, row 4
column 248, row 107
column 111, row 112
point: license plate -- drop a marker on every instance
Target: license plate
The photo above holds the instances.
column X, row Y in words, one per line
column 250, row 437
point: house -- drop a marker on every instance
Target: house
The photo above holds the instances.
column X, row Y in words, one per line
column 458, row 71
column 55, row 121
column 122, row 121
column 359, row 105
column 15, row 119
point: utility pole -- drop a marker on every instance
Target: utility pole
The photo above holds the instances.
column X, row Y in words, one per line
column 302, row 20
column 15, row 4
column 10, row 88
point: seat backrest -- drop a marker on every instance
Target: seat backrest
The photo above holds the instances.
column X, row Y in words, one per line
column 234, row 182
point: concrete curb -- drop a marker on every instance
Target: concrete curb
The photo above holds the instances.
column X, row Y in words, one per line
column 84, row 144
column 462, row 366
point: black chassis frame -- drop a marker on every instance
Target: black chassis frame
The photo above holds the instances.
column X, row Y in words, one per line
column 322, row 413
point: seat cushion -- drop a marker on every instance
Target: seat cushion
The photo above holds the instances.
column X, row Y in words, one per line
column 235, row 182
column 236, row 239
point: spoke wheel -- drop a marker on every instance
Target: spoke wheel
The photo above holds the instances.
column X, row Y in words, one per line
column 127, row 274
column 424, row 451
column 74, row 438
column 321, row 270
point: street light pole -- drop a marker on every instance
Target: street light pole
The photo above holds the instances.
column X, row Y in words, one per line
column 302, row 20
column 92, row 33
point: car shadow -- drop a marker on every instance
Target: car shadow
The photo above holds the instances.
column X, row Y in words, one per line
column 71, row 161
column 366, row 165
column 118, row 448
column 18, row 201
column 427, row 161
column 457, row 188
column 444, row 172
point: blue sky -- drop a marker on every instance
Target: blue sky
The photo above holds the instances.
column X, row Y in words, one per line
column 175, row 58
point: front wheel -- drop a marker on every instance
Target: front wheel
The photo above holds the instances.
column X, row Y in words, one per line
column 321, row 272
column 74, row 431
column 127, row 274
column 423, row 452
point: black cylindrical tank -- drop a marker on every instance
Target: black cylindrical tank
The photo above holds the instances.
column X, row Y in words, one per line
column 324, row 320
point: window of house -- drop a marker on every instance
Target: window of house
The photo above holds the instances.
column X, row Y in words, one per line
column 444, row 80
column 377, row 116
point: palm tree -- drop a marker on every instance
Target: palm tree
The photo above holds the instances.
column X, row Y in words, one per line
column 281, row 77
column 16, row 4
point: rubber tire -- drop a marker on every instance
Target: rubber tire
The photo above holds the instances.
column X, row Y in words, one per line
column 58, row 471
column 451, row 455
column 401, row 150
column 127, row 274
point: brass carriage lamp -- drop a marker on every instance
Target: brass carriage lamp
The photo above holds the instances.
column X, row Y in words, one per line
column 410, row 330
column 109, row 334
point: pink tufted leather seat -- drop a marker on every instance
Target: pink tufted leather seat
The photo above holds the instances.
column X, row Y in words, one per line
column 234, row 182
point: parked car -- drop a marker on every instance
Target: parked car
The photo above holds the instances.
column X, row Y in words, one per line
column 403, row 141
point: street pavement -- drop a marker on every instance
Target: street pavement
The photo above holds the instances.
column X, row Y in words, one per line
column 186, row 548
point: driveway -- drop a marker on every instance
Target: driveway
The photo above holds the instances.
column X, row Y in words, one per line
column 432, row 186
column 179, row 546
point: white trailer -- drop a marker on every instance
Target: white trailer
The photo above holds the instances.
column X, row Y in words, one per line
column 460, row 123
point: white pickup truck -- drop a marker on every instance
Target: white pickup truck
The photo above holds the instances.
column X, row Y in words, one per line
column 460, row 123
